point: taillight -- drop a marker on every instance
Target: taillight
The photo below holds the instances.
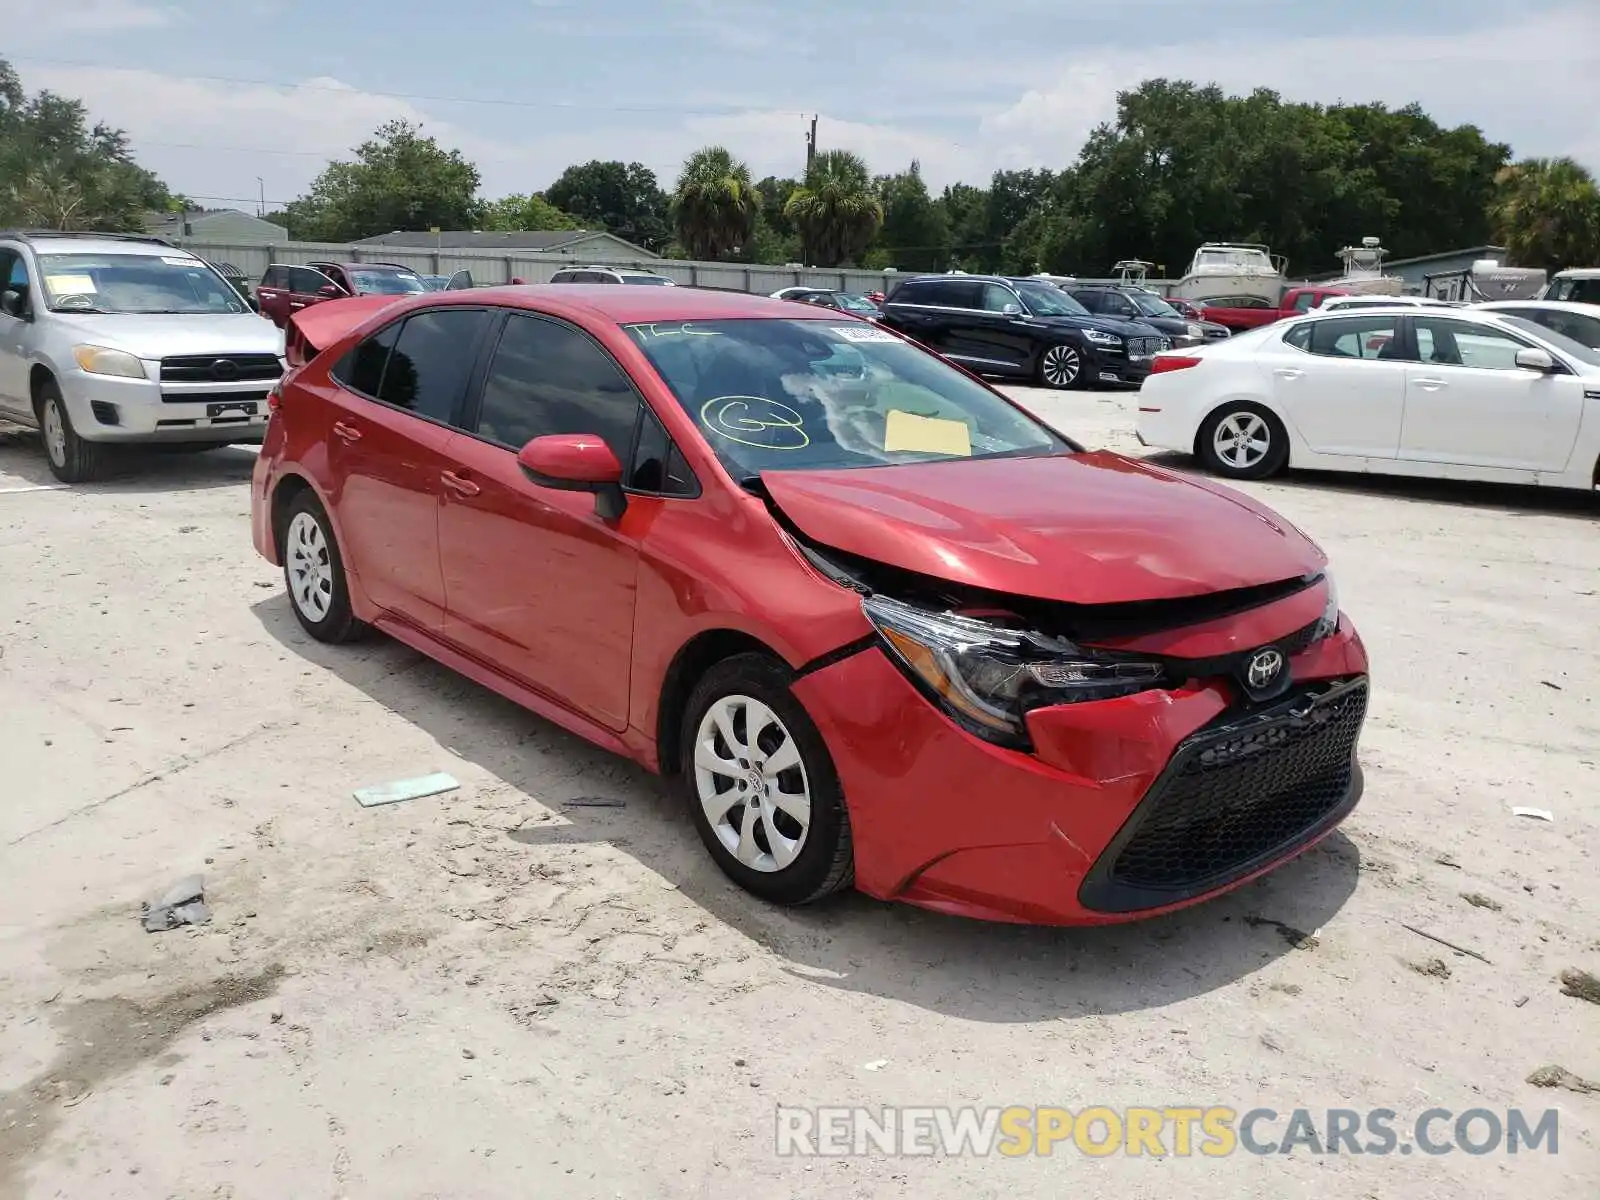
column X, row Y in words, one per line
column 274, row 398
column 1162, row 363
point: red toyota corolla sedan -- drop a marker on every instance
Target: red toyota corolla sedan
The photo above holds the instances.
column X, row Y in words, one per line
column 882, row 625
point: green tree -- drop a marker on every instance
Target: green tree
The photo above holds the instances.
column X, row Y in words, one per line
column 524, row 212
column 714, row 206
column 915, row 235
column 835, row 209
column 621, row 198
column 59, row 172
column 398, row 180
column 1546, row 213
column 966, row 212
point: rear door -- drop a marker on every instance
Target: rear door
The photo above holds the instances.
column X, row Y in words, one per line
column 539, row 584
column 1342, row 382
column 273, row 294
column 401, row 389
column 1468, row 402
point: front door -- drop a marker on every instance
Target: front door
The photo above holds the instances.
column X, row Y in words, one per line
column 16, row 338
column 389, row 442
column 538, row 583
column 1342, row 383
column 1468, row 402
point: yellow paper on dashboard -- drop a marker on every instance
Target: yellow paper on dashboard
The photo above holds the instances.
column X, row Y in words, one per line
column 926, row 435
column 70, row 285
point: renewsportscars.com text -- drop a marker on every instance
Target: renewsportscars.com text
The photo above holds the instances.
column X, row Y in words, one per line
column 1173, row 1130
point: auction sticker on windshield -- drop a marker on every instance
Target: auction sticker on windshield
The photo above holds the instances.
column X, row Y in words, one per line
column 863, row 333
column 180, row 262
column 63, row 284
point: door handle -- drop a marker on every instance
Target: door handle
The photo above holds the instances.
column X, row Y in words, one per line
column 1430, row 385
column 349, row 433
column 1288, row 373
column 462, row 487
column 297, row 304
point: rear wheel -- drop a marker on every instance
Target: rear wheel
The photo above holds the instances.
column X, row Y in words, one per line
column 1061, row 366
column 313, row 572
column 1243, row 441
column 761, row 784
column 71, row 459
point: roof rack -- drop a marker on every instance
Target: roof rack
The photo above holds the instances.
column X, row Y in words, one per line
column 396, row 266
column 27, row 235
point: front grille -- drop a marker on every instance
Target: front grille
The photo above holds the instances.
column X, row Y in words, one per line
column 1146, row 345
column 213, row 397
column 212, row 368
column 1235, row 796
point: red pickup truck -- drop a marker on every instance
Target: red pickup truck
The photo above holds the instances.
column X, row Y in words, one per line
column 1250, row 312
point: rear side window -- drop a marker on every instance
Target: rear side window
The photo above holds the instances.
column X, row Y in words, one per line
column 432, row 359
column 307, row 280
column 548, row 378
column 1370, row 336
column 362, row 369
column 562, row 277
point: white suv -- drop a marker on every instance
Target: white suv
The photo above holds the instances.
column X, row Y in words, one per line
column 106, row 338
column 608, row 275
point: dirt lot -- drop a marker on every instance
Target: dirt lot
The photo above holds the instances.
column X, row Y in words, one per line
column 492, row 994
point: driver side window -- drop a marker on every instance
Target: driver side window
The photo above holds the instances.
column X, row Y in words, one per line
column 995, row 298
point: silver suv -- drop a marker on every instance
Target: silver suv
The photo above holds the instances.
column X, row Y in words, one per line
column 608, row 275
column 106, row 338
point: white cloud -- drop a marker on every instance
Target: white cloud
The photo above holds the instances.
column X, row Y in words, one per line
column 1533, row 82
column 35, row 21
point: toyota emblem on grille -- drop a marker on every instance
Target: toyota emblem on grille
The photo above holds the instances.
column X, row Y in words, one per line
column 225, row 368
column 1264, row 669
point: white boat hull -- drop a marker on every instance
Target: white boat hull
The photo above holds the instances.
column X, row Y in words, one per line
column 1213, row 286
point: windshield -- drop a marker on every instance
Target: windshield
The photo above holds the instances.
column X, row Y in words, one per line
column 1233, row 257
column 657, row 280
column 1152, row 306
column 1046, row 301
column 773, row 395
column 1563, row 343
column 135, row 283
column 388, row 283
column 856, row 304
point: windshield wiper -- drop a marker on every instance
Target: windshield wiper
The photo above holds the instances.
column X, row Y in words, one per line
column 84, row 308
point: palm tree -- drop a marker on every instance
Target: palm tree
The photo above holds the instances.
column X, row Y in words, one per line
column 714, row 205
column 836, row 209
column 1546, row 212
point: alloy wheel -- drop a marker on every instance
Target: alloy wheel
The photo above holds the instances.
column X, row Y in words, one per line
column 55, row 432
column 1242, row 440
column 310, row 567
column 1061, row 366
column 752, row 783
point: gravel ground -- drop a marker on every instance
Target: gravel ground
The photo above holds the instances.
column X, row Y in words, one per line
column 494, row 994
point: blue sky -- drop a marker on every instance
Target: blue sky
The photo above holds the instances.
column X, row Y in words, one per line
column 207, row 88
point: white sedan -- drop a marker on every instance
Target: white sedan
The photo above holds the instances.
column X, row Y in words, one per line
column 1452, row 394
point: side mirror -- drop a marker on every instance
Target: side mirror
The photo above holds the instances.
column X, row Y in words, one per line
column 1011, row 310
column 1533, row 359
column 330, row 290
column 576, row 462
column 13, row 304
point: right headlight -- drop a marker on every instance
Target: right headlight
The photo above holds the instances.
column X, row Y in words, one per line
column 1328, row 623
column 989, row 676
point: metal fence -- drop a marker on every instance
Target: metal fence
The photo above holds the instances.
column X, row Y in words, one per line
column 488, row 266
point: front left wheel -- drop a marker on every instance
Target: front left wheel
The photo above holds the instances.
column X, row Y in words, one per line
column 1061, row 366
column 761, row 785
column 71, row 459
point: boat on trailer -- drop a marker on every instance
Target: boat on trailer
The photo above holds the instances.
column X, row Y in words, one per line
column 1233, row 269
column 1363, row 270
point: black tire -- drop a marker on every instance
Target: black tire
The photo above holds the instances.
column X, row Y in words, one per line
column 71, row 459
column 337, row 623
column 825, row 862
column 1270, row 463
column 1062, row 366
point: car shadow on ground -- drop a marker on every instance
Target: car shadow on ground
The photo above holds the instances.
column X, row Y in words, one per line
column 963, row 968
column 133, row 470
column 1511, row 499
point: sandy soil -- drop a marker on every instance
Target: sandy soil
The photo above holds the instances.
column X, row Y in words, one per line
column 489, row 994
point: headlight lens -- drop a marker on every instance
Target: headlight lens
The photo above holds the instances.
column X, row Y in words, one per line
column 1328, row 623
column 988, row 676
column 1102, row 338
column 1195, row 330
column 102, row 360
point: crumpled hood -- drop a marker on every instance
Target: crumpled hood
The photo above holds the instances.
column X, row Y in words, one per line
column 1092, row 528
column 164, row 335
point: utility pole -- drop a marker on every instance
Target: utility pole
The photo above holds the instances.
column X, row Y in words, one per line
column 811, row 144
column 262, row 210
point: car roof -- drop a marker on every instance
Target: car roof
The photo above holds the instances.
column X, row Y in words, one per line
column 1572, row 306
column 626, row 306
column 44, row 243
column 352, row 266
column 1578, row 273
